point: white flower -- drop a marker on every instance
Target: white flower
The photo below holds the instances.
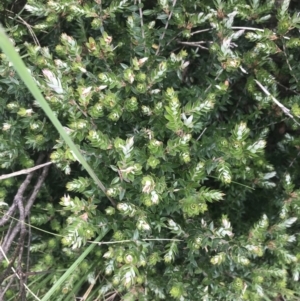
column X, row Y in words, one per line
column 147, row 187
column 154, row 197
column 143, row 225
column 53, row 82
column 6, row 126
column 29, row 112
column 142, row 61
column 122, row 206
column 66, row 200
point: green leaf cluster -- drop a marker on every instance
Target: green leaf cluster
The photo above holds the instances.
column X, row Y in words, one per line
column 199, row 163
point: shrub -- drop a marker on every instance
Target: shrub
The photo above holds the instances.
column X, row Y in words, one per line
column 188, row 113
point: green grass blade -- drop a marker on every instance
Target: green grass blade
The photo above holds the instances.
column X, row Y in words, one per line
column 24, row 74
column 72, row 267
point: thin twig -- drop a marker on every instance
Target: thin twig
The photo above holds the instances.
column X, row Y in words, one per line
column 291, row 164
column 255, row 29
column 288, row 63
column 29, row 27
column 272, row 123
column 285, row 110
column 88, row 291
column 132, row 240
column 202, row 30
column 167, row 24
column 36, row 189
column 219, row 73
column 73, row 102
column 10, row 240
column 201, row 134
column 142, row 24
column 236, row 107
column 112, row 296
column 247, row 28
column 24, row 171
column 31, row 226
column 194, row 44
column 17, row 198
column 233, row 27
column 9, row 230
column 6, row 288
column 238, row 28
column 235, row 183
column 29, row 238
column 14, row 271
column 20, row 228
column 39, row 272
column 286, row 88
column 105, row 243
column 11, row 262
column 173, row 40
column 21, row 247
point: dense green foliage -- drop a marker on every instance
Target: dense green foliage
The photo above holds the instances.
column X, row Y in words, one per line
column 188, row 113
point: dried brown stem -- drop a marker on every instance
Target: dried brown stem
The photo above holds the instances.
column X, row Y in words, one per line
column 285, row 110
column 194, row 44
column 19, row 228
column 24, row 171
